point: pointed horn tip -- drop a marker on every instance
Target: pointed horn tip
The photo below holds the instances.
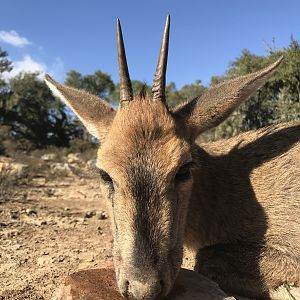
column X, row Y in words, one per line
column 168, row 21
column 118, row 26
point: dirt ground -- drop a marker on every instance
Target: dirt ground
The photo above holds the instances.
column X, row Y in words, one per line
column 50, row 228
column 54, row 221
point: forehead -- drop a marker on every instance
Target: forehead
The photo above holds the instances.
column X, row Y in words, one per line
column 143, row 132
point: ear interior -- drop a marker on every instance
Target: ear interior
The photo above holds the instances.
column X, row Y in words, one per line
column 95, row 114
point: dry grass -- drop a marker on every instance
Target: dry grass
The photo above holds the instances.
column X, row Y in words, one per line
column 7, row 184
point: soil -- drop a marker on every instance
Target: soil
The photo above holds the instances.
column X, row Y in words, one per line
column 51, row 228
column 53, row 224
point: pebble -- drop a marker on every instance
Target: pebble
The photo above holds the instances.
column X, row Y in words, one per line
column 31, row 211
column 24, row 260
column 102, row 216
column 17, row 247
column 14, row 214
column 44, row 260
column 38, row 181
column 49, row 156
column 61, row 258
column 89, row 214
column 99, row 230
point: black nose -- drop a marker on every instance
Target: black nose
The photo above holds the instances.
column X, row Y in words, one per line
column 136, row 290
column 124, row 289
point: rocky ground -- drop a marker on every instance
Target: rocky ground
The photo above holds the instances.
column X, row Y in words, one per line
column 51, row 223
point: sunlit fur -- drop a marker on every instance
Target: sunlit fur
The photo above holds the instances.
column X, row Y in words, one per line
column 242, row 221
column 142, row 154
column 244, row 211
column 239, row 208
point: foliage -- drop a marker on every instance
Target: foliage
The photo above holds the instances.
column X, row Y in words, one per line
column 31, row 118
column 137, row 86
column 186, row 93
column 98, row 83
column 5, row 66
column 277, row 101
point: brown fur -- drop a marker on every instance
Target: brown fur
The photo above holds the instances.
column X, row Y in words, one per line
column 237, row 204
column 246, row 203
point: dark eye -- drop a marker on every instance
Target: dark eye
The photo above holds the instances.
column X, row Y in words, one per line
column 184, row 173
column 106, row 178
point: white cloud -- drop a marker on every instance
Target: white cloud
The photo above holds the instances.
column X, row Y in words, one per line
column 26, row 65
column 29, row 65
column 13, row 38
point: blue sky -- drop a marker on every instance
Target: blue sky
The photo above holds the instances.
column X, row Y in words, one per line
column 58, row 35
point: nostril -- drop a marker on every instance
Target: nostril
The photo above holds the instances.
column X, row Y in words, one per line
column 125, row 292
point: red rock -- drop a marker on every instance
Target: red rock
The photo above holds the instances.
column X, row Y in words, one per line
column 100, row 284
column 95, row 284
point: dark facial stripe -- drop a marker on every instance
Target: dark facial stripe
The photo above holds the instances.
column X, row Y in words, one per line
column 144, row 188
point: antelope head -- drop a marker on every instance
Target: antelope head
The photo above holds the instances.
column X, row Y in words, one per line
column 145, row 163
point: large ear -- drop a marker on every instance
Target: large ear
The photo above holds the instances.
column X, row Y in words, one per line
column 217, row 103
column 95, row 114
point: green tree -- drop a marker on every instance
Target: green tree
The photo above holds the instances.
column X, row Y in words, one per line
column 137, row 86
column 186, row 93
column 98, row 83
column 276, row 101
column 37, row 118
column 74, row 79
column 5, row 66
column 286, row 82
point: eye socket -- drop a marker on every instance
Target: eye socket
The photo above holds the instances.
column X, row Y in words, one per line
column 105, row 177
column 184, row 173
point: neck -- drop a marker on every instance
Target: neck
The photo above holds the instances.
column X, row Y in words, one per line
column 222, row 205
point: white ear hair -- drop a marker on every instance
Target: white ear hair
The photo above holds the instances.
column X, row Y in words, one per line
column 92, row 111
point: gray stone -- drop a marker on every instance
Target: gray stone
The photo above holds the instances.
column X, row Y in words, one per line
column 14, row 214
column 73, row 158
column 102, row 215
column 31, row 211
column 61, row 168
column 91, row 163
column 49, row 157
column 10, row 168
column 89, row 214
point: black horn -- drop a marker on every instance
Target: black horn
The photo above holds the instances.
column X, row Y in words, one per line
column 159, row 83
column 126, row 94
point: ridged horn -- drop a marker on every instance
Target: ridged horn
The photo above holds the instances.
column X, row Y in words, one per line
column 159, row 83
column 126, row 93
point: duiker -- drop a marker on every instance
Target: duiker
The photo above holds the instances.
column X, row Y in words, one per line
column 235, row 202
